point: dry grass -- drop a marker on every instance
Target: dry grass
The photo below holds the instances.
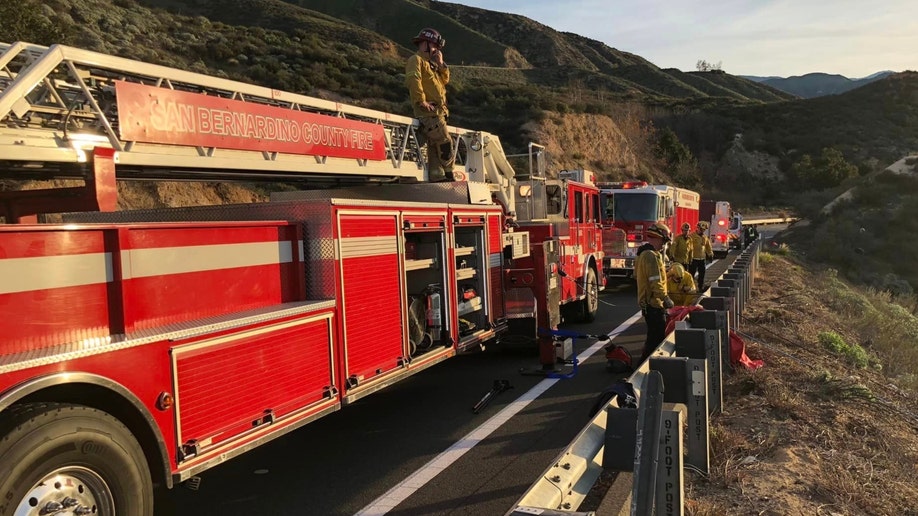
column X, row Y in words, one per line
column 811, row 432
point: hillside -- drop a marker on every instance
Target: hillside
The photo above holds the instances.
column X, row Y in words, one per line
column 873, row 222
column 400, row 20
column 878, row 120
column 720, row 84
column 482, row 37
column 829, row 425
column 516, row 69
column 507, row 68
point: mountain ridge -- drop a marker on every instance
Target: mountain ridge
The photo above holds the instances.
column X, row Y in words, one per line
column 817, row 84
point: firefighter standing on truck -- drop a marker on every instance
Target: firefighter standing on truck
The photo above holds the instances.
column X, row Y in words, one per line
column 426, row 75
column 701, row 252
column 651, row 286
column 680, row 251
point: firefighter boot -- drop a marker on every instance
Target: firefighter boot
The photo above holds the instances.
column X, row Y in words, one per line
column 447, row 158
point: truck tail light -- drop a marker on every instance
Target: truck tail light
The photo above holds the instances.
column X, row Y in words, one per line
column 722, row 222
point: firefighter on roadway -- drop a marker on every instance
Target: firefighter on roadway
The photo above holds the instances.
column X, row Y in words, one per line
column 651, row 286
column 426, row 75
column 701, row 252
column 680, row 251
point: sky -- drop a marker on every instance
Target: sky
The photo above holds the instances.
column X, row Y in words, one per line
column 747, row 37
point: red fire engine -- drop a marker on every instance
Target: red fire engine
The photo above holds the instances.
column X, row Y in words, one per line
column 142, row 347
column 629, row 208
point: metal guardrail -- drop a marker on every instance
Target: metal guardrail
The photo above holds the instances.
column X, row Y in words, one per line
column 690, row 361
column 774, row 220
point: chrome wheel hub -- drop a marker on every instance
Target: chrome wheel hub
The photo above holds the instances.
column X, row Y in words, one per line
column 73, row 490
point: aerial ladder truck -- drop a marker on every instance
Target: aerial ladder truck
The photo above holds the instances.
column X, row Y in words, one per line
column 139, row 348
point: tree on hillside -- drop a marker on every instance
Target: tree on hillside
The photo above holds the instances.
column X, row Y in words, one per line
column 22, row 21
column 680, row 164
column 704, row 66
column 830, row 169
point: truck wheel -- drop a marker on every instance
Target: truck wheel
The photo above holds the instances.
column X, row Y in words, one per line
column 71, row 459
column 590, row 304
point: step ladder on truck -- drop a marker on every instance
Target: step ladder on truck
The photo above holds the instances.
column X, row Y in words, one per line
column 152, row 327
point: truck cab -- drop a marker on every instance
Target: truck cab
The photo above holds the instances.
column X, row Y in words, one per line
column 572, row 216
column 629, row 208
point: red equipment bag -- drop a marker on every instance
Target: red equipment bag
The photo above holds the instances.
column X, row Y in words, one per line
column 738, row 355
column 618, row 360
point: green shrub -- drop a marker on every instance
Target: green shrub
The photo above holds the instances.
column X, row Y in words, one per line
column 853, row 353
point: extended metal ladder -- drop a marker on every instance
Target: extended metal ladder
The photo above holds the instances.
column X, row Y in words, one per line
column 58, row 103
column 61, row 117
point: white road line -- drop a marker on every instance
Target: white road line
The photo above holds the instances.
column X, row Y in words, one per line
column 416, row 480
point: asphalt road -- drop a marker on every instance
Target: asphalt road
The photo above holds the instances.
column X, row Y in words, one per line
column 342, row 463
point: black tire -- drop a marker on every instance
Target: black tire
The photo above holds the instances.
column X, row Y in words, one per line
column 102, row 462
column 589, row 306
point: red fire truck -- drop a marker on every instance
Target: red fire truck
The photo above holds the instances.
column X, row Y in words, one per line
column 142, row 347
column 629, row 208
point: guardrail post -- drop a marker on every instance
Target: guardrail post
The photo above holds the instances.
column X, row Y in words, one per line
column 670, row 477
column 739, row 279
column 650, row 412
column 715, row 320
column 687, row 383
column 740, row 273
column 621, row 435
column 747, row 275
column 703, row 344
column 729, row 303
column 735, row 295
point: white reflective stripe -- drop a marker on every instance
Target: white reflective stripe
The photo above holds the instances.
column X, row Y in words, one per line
column 356, row 247
column 47, row 272
column 142, row 263
column 126, row 264
column 653, row 278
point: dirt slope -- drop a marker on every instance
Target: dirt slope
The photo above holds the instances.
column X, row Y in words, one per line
column 811, row 433
column 617, row 146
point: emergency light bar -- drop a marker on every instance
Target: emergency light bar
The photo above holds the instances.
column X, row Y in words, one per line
column 627, row 185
